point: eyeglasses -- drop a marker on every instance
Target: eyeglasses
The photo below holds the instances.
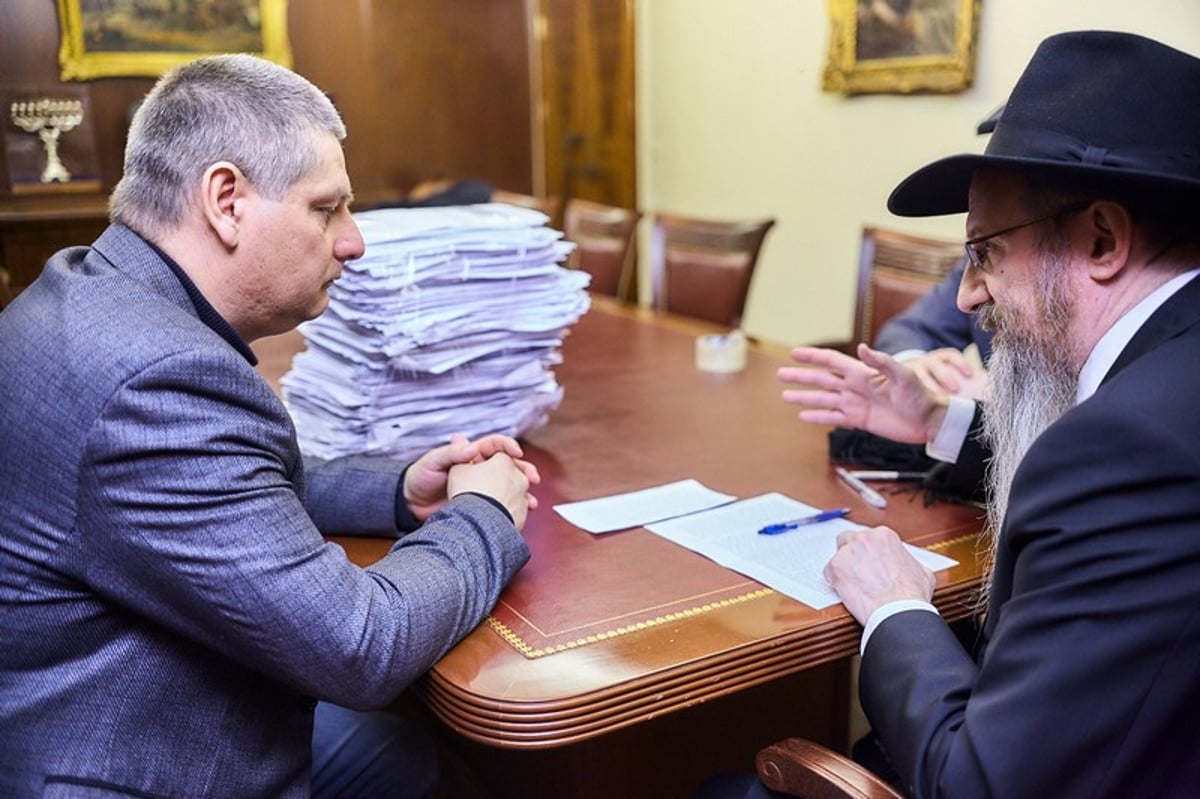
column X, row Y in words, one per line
column 977, row 248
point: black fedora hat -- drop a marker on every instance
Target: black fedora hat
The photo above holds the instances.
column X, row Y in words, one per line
column 1113, row 106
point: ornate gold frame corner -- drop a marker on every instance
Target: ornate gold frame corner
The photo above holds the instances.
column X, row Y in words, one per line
column 847, row 73
column 77, row 63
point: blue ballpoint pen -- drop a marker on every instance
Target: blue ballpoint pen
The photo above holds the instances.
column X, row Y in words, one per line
column 823, row 516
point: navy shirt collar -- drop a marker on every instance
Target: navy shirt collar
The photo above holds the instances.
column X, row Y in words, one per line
column 204, row 310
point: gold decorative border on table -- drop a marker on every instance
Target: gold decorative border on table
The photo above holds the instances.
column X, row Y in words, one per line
column 523, row 644
column 524, row 647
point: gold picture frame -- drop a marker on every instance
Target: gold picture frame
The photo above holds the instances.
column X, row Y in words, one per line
column 109, row 38
column 901, row 46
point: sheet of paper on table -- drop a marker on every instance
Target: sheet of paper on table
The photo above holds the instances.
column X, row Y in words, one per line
column 791, row 562
column 638, row 508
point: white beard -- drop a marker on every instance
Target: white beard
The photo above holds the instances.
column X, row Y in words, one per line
column 1032, row 382
column 1026, row 395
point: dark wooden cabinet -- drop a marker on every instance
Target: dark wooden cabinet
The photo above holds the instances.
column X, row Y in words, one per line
column 34, row 228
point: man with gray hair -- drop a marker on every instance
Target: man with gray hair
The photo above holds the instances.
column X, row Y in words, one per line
column 173, row 616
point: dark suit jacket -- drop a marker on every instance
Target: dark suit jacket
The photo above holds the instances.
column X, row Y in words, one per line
column 170, row 611
column 934, row 321
column 1087, row 682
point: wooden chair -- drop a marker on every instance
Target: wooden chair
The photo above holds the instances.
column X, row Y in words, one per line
column 802, row 768
column 603, row 237
column 894, row 270
column 703, row 267
column 550, row 206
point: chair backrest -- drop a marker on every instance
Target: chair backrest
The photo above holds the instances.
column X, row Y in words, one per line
column 894, row 270
column 702, row 267
column 803, row 768
column 550, row 206
column 603, row 237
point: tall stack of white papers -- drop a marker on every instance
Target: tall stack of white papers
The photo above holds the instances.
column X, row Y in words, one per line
column 449, row 323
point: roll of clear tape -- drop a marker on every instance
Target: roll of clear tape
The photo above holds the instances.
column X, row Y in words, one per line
column 721, row 353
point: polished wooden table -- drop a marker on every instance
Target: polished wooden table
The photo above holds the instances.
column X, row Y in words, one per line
column 608, row 634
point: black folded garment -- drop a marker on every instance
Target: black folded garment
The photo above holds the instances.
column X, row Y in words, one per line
column 944, row 481
column 867, row 449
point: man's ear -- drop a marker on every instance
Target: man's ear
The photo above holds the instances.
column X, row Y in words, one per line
column 224, row 186
column 1109, row 239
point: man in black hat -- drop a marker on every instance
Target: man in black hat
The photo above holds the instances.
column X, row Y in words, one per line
column 931, row 334
column 1083, row 244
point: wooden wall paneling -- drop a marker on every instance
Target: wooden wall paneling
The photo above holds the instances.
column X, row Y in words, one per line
column 34, row 227
column 28, row 31
column 27, row 240
column 588, row 99
column 428, row 89
column 586, row 105
column 29, row 57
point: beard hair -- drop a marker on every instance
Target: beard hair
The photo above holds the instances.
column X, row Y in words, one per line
column 1032, row 381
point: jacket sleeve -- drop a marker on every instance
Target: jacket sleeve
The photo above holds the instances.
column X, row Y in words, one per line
column 1091, row 660
column 357, row 495
column 190, row 517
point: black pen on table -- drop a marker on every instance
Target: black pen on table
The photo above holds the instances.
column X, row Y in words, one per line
column 816, row 518
column 870, row 495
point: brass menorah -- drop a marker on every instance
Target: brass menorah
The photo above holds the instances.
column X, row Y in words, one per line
column 49, row 119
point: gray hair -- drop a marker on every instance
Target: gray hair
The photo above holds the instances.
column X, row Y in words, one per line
column 257, row 115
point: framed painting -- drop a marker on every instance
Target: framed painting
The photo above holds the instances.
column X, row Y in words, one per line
column 109, row 38
column 901, row 46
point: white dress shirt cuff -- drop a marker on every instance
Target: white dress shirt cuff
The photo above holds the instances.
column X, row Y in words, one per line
column 950, row 437
column 887, row 611
column 908, row 355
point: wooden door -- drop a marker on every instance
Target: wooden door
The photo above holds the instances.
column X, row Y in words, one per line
column 585, row 67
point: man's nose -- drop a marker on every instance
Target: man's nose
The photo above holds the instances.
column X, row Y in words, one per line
column 972, row 290
column 349, row 243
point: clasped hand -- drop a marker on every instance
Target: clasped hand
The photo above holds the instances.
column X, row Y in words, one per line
column 949, row 371
column 492, row 465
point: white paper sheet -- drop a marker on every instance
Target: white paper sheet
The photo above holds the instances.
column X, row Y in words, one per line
column 790, row 562
column 638, row 508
